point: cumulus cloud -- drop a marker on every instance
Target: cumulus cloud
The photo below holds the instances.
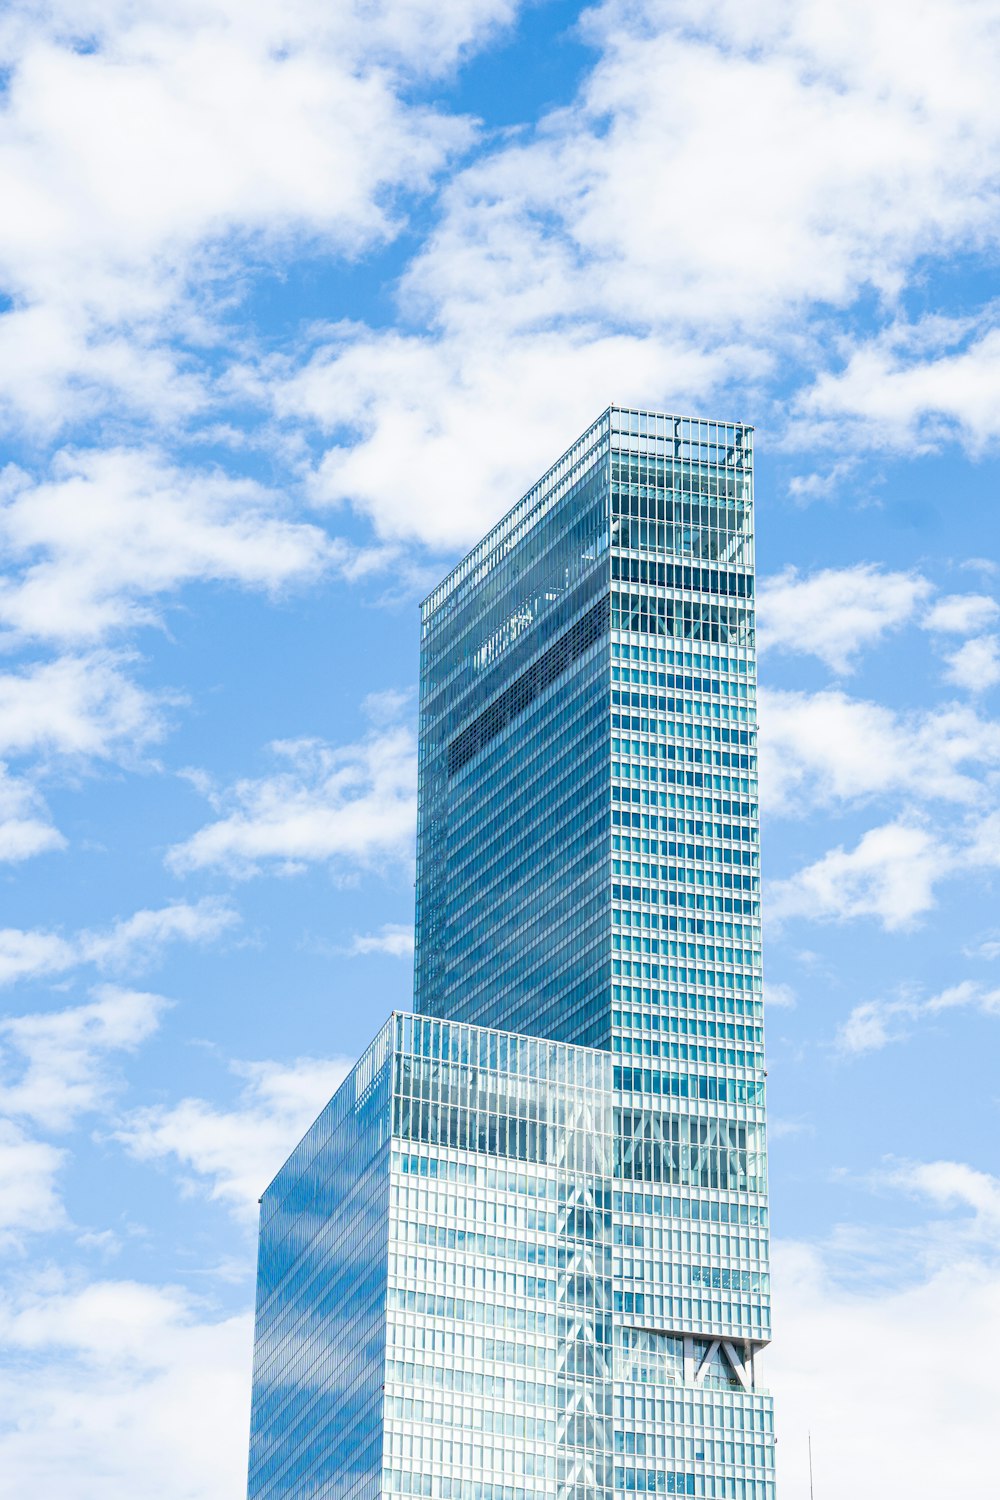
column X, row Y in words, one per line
column 234, row 1153
column 140, row 938
column 910, row 388
column 586, row 262
column 821, row 485
column 420, row 447
column 828, row 750
column 130, row 943
column 877, row 139
column 982, row 846
column 55, row 1065
column 961, row 614
column 836, row 612
column 77, row 706
column 818, row 749
column 115, row 237
column 106, row 1387
column 875, row 1023
column 951, row 1184
column 353, row 804
column 873, row 1437
column 393, row 938
column 876, row 166
column 29, row 1197
column 112, row 530
column 25, row 826
column 889, row 875
column 33, row 953
column 975, row 666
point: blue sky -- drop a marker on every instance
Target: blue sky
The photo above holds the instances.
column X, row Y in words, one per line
column 294, row 302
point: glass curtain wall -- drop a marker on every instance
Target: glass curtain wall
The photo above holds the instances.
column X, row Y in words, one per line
column 502, row 1267
column 513, row 881
column 450, row 1301
column 320, row 1327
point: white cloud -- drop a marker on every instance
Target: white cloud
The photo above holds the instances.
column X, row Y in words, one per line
column 592, row 260
column 417, row 35
column 130, row 943
column 961, row 614
column 33, row 954
column 138, row 939
column 25, row 826
column 55, row 368
column 836, row 612
column 927, row 1434
column 54, row 1066
column 821, row 748
column 877, row 166
column 394, row 938
column 419, row 447
column 236, row 1152
column 29, row 1200
column 114, row 239
column 911, row 388
column 866, row 1029
column 386, row 706
column 77, row 706
column 875, row 1023
column 355, row 804
column 119, row 1388
column 975, row 666
column 58, row 1065
column 889, row 875
column 826, row 749
column 952, row 1184
column 982, row 840
column 779, row 996
column 112, row 530
column 819, row 486
column 987, row 947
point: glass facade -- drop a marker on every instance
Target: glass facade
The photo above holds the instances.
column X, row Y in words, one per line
column 320, row 1339
column 523, row 1252
column 588, row 801
column 513, row 878
column 488, row 1273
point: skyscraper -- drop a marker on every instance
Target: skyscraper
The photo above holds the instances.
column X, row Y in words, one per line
column 523, row 1253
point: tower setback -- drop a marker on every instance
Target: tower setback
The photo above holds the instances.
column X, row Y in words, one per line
column 522, row 1255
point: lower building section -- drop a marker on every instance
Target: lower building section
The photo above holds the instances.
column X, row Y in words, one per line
column 488, row 1273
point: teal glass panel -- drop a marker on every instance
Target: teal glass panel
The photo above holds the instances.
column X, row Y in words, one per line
column 524, row 1252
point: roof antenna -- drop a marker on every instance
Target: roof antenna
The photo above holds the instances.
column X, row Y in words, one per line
column 811, row 1494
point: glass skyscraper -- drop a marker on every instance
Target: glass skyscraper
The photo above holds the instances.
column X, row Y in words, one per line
column 522, row 1255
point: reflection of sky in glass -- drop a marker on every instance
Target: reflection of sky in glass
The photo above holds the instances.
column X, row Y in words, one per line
column 505, row 1266
column 449, row 1274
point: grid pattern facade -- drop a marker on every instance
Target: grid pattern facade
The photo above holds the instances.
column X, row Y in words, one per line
column 320, row 1326
column 587, row 696
column 513, row 879
column 467, row 1327
column 570, row 1294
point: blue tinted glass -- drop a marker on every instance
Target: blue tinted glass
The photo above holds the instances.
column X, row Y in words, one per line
column 503, row 1266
